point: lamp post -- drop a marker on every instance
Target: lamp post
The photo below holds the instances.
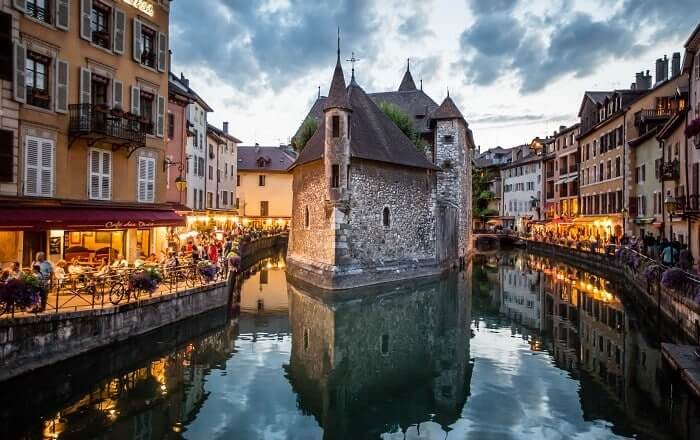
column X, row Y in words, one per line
column 670, row 204
column 180, row 182
column 624, row 213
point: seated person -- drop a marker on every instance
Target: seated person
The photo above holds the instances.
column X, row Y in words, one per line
column 60, row 271
column 120, row 261
column 103, row 269
column 74, row 267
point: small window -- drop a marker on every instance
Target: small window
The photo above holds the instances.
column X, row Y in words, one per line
column 336, row 126
column 264, row 208
column 237, row 203
column 347, row 176
column 306, row 339
column 335, row 176
column 171, row 125
column 148, row 47
column 5, row 46
column 261, row 180
column 386, row 217
column 39, row 9
column 448, row 139
column 99, row 24
column 238, row 179
column 385, row 344
column 147, row 109
column 37, row 80
column 306, row 217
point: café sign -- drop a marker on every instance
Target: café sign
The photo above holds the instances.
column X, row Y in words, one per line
column 142, row 5
column 129, row 224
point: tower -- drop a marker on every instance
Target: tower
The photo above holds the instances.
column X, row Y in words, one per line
column 453, row 150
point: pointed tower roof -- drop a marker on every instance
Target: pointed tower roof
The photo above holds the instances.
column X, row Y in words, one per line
column 447, row 110
column 337, row 94
column 407, row 83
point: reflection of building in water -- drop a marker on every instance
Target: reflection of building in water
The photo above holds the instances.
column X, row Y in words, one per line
column 150, row 402
column 354, row 354
column 520, row 298
column 266, row 289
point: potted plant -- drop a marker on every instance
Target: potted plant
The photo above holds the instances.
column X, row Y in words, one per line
column 23, row 292
column 652, row 272
column 146, row 280
column 207, row 270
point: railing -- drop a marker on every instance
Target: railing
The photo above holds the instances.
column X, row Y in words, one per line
column 89, row 118
column 688, row 204
column 652, row 114
column 88, row 291
column 38, row 12
column 573, row 168
column 670, row 170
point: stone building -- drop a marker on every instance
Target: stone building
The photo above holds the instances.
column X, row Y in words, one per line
column 368, row 205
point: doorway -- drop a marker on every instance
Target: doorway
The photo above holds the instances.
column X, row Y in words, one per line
column 32, row 242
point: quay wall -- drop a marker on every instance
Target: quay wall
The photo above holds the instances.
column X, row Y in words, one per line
column 677, row 309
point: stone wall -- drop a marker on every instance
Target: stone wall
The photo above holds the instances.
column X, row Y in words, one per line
column 407, row 192
column 317, row 241
column 36, row 341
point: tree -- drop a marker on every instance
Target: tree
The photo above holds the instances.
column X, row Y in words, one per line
column 481, row 194
column 308, row 128
column 405, row 124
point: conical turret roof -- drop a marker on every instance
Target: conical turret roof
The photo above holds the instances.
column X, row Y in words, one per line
column 407, row 83
column 447, row 110
column 337, row 94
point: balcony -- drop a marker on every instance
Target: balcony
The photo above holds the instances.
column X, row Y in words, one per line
column 97, row 123
column 688, row 205
column 670, row 170
column 573, row 168
column 652, row 115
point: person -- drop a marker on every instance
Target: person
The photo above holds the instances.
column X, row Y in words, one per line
column 74, row 267
column 685, row 258
column 60, row 273
column 213, row 253
column 152, row 259
column 195, row 254
column 45, row 268
column 228, row 245
column 120, row 262
column 103, row 268
column 669, row 255
column 139, row 262
column 14, row 270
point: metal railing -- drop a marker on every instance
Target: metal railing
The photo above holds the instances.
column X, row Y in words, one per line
column 38, row 12
column 88, row 291
column 670, row 170
column 652, row 114
column 89, row 118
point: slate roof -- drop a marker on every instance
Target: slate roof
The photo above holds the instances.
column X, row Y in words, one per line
column 373, row 136
column 337, row 95
column 407, row 83
column 447, row 110
column 185, row 88
column 415, row 103
column 274, row 158
column 220, row 133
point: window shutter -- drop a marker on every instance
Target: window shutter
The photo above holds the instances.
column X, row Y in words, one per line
column 21, row 5
column 85, row 19
column 62, row 14
column 19, row 84
column 119, row 30
column 135, row 100
column 162, row 51
column 46, row 163
column 31, row 166
column 118, row 94
column 150, row 179
column 7, row 148
column 137, row 40
column 85, row 86
column 100, row 174
column 160, row 118
column 61, row 86
column 141, row 179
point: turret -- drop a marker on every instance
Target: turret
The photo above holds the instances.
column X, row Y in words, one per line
column 337, row 118
column 407, row 83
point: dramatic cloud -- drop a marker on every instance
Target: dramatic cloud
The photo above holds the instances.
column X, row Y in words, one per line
column 257, row 45
column 414, row 26
column 517, row 119
column 507, row 37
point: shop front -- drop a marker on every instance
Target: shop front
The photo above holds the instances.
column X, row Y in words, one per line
column 89, row 235
column 597, row 228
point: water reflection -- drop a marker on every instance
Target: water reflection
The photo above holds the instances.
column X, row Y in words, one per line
column 517, row 346
column 381, row 360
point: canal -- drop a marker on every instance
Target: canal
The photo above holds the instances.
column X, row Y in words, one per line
column 517, row 346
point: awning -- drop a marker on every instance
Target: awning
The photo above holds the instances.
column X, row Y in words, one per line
column 614, row 218
column 43, row 219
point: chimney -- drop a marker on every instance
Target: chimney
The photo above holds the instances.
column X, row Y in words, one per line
column 184, row 80
column 676, row 64
column 226, row 127
column 659, row 70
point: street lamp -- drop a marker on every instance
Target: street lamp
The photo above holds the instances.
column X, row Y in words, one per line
column 670, row 204
column 180, row 184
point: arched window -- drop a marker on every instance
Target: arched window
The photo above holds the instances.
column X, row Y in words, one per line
column 386, row 217
column 306, row 217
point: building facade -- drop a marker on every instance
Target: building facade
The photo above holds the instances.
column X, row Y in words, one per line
column 222, row 150
column 562, row 174
column 264, row 183
column 522, row 189
column 367, row 199
column 176, row 156
column 86, row 103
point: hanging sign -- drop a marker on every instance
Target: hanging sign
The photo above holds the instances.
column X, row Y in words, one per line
column 141, row 5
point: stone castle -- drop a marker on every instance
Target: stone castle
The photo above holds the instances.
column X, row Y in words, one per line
column 368, row 205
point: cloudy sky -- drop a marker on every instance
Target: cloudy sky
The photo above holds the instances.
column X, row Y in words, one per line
column 517, row 69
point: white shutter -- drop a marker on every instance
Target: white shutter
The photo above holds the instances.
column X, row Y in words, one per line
column 117, row 94
column 162, row 51
column 46, row 168
column 137, row 40
column 160, row 116
column 146, row 179
column 62, row 14
column 85, row 19
column 119, row 18
column 20, row 4
column 38, row 166
column 19, row 85
column 31, row 166
column 150, row 179
column 85, row 86
column 100, row 173
column 135, row 100
column 61, row 86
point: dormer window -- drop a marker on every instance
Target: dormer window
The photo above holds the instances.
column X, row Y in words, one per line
column 335, row 121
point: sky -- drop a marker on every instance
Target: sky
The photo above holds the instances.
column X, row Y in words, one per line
column 516, row 68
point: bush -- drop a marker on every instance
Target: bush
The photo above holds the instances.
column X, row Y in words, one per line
column 207, row 270
column 23, row 292
column 147, row 280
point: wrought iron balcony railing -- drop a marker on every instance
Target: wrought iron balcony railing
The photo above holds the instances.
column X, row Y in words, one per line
column 670, row 170
column 86, row 119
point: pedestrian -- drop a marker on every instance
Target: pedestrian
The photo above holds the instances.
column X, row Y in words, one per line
column 685, row 259
column 669, row 255
column 43, row 271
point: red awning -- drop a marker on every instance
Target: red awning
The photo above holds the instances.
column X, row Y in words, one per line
column 42, row 219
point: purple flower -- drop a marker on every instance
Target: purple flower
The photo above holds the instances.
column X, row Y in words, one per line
column 674, row 279
column 651, row 272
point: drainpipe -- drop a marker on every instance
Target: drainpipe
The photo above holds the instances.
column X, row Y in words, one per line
column 625, row 196
column 687, row 181
column 662, row 145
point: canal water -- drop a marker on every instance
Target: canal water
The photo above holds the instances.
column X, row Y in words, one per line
column 517, row 346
